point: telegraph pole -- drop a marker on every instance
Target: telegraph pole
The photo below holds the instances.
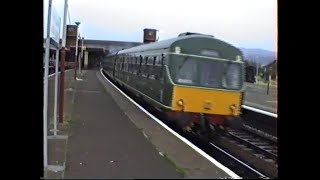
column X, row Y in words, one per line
column 76, row 55
column 63, row 57
column 80, row 62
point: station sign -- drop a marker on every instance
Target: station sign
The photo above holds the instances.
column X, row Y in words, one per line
column 55, row 25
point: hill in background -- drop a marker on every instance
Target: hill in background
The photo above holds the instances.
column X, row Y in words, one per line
column 262, row 56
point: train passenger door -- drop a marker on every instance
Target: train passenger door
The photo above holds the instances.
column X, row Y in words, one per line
column 114, row 66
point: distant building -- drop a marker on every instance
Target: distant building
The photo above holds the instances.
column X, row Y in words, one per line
column 270, row 68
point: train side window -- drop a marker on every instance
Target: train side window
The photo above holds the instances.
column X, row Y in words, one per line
column 123, row 63
column 126, row 64
column 128, row 58
column 160, row 68
column 120, row 64
column 154, row 60
column 163, row 61
column 145, row 68
column 130, row 64
column 115, row 64
column 146, row 62
column 158, row 61
column 152, row 68
column 135, row 65
column 139, row 66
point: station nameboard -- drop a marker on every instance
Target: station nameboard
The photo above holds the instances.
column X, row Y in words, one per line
column 55, row 25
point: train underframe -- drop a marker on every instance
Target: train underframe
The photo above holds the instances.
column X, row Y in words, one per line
column 204, row 123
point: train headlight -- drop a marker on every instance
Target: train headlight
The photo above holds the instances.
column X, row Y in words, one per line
column 180, row 102
column 233, row 108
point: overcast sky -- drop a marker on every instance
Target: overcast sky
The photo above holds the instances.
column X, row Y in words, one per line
column 244, row 23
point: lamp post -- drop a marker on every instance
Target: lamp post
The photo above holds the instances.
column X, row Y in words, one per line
column 81, row 55
column 269, row 79
column 257, row 70
column 62, row 63
column 75, row 60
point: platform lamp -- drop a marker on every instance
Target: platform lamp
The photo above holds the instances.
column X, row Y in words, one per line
column 81, row 55
column 75, row 60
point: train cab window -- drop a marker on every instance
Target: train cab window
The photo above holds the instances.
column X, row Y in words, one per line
column 186, row 71
column 211, row 74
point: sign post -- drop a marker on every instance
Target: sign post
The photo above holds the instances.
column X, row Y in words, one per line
column 53, row 31
column 56, row 37
column 45, row 99
column 62, row 64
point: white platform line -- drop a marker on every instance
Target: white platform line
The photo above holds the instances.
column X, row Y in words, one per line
column 238, row 160
column 260, row 111
column 59, row 72
column 215, row 162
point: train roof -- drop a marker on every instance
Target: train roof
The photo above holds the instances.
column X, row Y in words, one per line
column 165, row 43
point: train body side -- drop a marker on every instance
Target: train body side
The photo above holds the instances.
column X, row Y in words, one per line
column 150, row 73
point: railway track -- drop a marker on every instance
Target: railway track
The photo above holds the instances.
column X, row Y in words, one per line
column 267, row 149
column 253, row 150
column 260, row 121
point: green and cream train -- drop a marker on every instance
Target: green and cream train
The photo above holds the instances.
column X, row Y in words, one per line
column 194, row 79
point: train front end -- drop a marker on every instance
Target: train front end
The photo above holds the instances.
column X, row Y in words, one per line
column 208, row 89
